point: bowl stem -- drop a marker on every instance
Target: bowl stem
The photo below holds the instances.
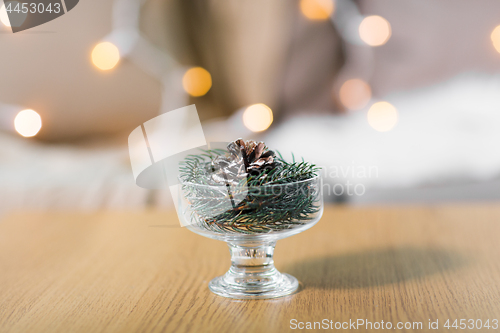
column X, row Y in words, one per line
column 252, row 274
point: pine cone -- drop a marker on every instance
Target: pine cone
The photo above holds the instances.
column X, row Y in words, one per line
column 244, row 159
column 256, row 157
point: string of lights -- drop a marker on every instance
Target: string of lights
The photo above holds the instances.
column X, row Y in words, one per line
column 178, row 82
column 361, row 34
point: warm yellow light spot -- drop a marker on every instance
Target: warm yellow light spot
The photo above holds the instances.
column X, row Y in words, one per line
column 105, row 56
column 317, row 9
column 375, row 30
column 495, row 38
column 28, row 123
column 258, row 117
column 4, row 18
column 382, row 116
column 355, row 94
column 197, row 81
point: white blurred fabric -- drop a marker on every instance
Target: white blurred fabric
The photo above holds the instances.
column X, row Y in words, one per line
column 41, row 177
column 444, row 132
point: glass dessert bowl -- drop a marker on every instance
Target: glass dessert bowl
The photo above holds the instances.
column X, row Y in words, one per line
column 250, row 210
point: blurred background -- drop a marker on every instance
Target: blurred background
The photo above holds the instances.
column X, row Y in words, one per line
column 398, row 101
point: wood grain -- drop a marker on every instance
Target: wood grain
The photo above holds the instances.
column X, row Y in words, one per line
column 139, row 272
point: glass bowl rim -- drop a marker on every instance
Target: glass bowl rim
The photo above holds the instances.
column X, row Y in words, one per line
column 318, row 176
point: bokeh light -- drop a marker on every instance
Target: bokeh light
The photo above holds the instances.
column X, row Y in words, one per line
column 105, row 56
column 495, row 38
column 258, row 117
column 28, row 123
column 317, row 9
column 355, row 94
column 4, row 18
column 197, row 81
column 375, row 30
column 382, row 116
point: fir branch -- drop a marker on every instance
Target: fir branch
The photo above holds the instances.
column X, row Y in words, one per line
column 277, row 199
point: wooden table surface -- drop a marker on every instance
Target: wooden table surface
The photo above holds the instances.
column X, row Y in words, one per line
column 139, row 272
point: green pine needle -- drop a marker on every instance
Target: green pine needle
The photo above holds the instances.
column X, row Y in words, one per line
column 263, row 208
